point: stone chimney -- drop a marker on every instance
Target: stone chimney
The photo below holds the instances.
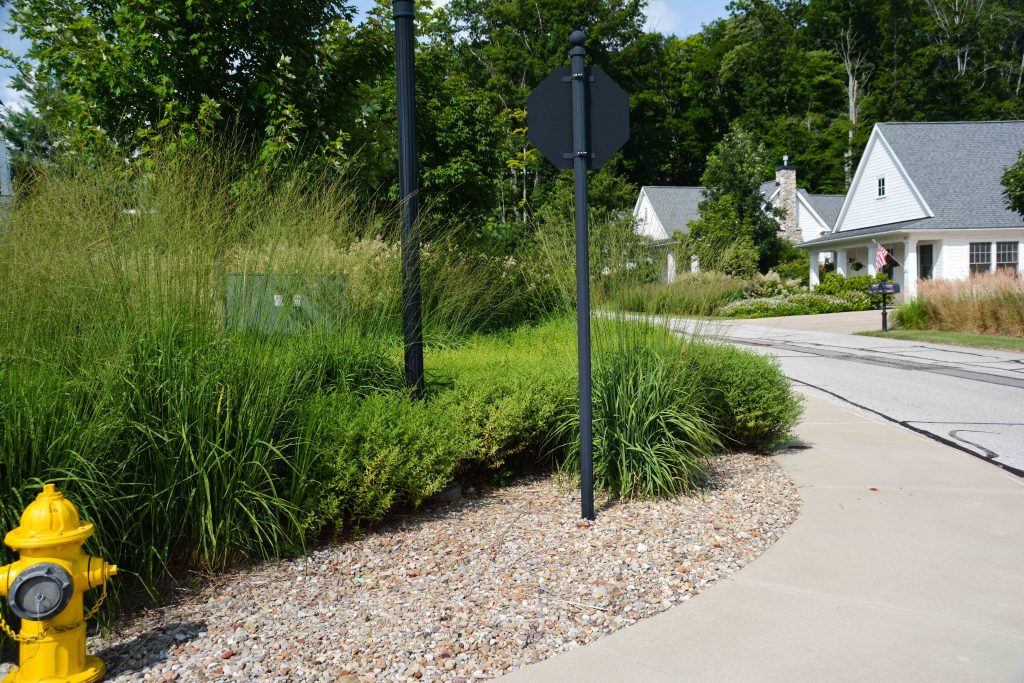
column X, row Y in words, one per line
column 785, row 179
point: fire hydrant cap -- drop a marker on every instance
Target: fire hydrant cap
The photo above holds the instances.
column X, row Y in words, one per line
column 50, row 520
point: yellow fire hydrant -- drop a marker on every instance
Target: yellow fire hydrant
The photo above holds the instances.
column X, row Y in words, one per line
column 45, row 588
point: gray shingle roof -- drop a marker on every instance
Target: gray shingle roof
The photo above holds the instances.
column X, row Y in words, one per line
column 827, row 205
column 902, row 226
column 675, row 206
column 958, row 167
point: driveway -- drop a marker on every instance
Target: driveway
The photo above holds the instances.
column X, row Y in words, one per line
column 972, row 399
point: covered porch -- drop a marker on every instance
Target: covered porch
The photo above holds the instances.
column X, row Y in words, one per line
column 911, row 259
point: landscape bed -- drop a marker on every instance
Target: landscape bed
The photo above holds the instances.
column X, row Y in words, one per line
column 463, row 590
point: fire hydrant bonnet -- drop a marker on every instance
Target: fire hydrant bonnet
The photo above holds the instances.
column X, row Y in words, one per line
column 49, row 521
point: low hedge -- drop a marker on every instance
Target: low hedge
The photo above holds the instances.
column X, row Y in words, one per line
column 747, row 396
column 508, row 402
column 796, row 304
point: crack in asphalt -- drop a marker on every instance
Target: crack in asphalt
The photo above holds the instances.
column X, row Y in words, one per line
column 989, row 454
column 952, row 443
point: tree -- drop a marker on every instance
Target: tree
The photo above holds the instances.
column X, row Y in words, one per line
column 858, row 72
column 733, row 204
column 132, row 72
column 1013, row 181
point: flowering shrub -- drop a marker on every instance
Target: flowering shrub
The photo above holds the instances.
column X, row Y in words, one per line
column 796, row 304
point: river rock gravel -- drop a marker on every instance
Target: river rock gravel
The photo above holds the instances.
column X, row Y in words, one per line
column 463, row 590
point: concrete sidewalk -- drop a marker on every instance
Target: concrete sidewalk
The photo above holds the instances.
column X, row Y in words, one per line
column 906, row 564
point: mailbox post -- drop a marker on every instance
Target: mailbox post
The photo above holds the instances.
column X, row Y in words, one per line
column 885, row 289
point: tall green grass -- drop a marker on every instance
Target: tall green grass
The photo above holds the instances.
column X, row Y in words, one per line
column 699, row 294
column 120, row 380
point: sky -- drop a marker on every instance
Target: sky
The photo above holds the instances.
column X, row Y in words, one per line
column 681, row 17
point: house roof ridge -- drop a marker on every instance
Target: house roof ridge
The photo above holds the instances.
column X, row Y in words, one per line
column 945, row 123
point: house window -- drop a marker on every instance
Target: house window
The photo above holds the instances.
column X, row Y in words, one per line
column 926, row 261
column 1006, row 256
column 881, row 187
column 981, row 257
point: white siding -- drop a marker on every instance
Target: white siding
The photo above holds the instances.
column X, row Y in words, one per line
column 955, row 261
column 864, row 208
column 647, row 221
column 810, row 227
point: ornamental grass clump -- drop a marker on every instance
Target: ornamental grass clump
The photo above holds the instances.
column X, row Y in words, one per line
column 987, row 303
column 652, row 435
column 689, row 294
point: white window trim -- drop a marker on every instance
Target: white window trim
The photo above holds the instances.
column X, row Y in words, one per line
column 880, row 188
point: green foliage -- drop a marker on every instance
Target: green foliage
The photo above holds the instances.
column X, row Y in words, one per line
column 737, row 229
column 911, row 315
column 794, row 263
column 689, row 294
column 378, row 453
column 179, row 70
column 508, row 414
column 796, row 304
column 180, row 438
column 651, row 435
column 1013, row 181
column 746, row 395
column 833, row 283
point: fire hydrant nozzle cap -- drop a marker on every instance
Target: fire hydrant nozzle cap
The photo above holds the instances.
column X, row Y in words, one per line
column 50, row 520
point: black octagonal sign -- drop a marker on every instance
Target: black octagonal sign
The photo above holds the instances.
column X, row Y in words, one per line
column 549, row 117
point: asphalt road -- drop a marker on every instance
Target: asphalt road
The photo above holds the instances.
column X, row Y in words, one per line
column 972, row 399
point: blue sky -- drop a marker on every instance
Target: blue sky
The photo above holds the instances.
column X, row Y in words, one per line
column 681, row 17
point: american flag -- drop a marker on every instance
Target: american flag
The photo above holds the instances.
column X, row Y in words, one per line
column 881, row 256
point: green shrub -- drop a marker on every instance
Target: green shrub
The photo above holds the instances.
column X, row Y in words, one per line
column 911, row 315
column 794, row 263
column 796, row 304
column 838, row 285
column 509, row 390
column 379, row 452
column 747, row 396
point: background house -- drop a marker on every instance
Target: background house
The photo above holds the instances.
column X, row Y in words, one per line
column 662, row 211
column 932, row 194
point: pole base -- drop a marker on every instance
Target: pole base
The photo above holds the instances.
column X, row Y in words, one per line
column 94, row 671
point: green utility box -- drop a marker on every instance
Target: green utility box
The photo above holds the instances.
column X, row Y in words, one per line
column 282, row 303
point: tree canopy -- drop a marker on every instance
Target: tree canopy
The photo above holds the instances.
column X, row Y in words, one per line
column 305, row 81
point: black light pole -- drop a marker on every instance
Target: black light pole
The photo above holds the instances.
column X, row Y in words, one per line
column 581, row 161
column 408, row 185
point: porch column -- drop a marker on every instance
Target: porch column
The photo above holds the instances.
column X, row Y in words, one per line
column 872, row 271
column 841, row 266
column 910, row 275
column 813, row 280
column 670, row 268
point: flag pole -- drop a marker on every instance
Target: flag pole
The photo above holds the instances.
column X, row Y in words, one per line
column 889, row 253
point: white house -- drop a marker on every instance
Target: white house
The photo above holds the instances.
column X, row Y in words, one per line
column 660, row 212
column 932, row 195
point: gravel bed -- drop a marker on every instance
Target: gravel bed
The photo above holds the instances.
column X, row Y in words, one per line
column 461, row 591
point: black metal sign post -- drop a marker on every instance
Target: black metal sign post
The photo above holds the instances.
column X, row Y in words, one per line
column 580, row 137
column 580, row 127
column 408, row 186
